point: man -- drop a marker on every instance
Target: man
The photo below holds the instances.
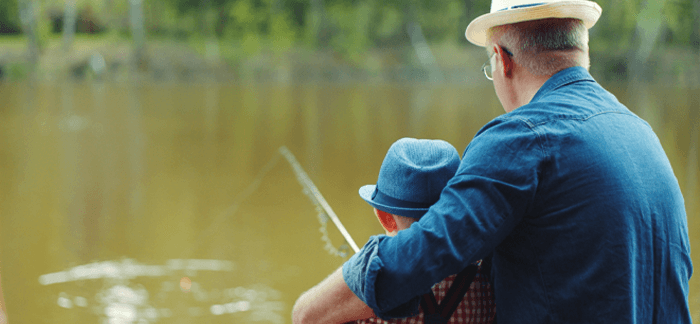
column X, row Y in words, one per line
column 571, row 191
column 413, row 174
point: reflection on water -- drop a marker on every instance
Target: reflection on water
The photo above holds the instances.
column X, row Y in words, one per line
column 116, row 292
column 133, row 203
column 129, row 269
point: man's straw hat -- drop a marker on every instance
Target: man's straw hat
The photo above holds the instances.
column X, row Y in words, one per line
column 504, row 12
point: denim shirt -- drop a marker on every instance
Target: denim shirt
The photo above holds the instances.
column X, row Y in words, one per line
column 576, row 200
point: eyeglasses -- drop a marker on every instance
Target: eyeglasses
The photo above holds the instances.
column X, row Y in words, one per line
column 486, row 68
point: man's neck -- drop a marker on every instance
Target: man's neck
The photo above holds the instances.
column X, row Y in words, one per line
column 526, row 86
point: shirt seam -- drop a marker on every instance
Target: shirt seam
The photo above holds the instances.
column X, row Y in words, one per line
column 569, row 77
column 575, row 118
column 533, row 128
column 569, row 80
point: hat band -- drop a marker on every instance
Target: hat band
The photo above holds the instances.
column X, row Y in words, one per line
column 381, row 198
column 522, row 6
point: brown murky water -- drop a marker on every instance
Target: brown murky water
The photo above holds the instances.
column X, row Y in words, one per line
column 154, row 203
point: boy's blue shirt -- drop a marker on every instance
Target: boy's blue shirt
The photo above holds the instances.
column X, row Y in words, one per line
column 576, row 199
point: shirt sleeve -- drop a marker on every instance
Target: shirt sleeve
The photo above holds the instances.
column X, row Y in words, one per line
column 491, row 192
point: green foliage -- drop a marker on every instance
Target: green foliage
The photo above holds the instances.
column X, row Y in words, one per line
column 282, row 32
column 43, row 26
column 164, row 20
column 313, row 23
column 440, row 19
column 17, row 71
column 614, row 30
column 194, row 6
column 351, row 27
column 250, row 44
column 352, row 36
column 247, row 23
column 390, row 21
column 9, row 18
column 245, row 18
column 680, row 16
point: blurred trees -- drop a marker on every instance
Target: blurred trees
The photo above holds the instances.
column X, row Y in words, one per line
column 9, row 17
column 342, row 24
column 348, row 27
column 678, row 22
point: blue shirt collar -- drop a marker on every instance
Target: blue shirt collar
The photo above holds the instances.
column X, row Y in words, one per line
column 562, row 78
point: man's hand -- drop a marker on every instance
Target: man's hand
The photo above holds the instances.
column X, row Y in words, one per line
column 331, row 301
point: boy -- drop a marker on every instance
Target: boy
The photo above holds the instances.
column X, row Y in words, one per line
column 413, row 174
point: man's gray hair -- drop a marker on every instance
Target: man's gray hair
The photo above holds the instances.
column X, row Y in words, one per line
column 544, row 46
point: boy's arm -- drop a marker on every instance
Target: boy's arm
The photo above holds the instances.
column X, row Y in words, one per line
column 331, row 301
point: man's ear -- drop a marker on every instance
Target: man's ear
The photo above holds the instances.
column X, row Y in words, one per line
column 387, row 220
column 507, row 63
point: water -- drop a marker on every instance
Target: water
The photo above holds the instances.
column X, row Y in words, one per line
column 132, row 203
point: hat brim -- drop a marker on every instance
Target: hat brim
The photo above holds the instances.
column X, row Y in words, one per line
column 366, row 193
column 587, row 11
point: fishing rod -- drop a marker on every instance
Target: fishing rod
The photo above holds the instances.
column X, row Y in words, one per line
column 309, row 188
column 306, row 182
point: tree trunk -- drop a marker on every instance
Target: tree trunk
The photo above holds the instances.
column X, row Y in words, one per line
column 29, row 28
column 69, row 17
column 137, row 32
column 650, row 26
column 203, row 21
column 695, row 33
column 421, row 47
column 111, row 21
column 319, row 23
column 648, row 30
column 466, row 9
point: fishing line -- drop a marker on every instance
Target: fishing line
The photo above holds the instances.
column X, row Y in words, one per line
column 226, row 214
column 316, row 198
column 323, row 210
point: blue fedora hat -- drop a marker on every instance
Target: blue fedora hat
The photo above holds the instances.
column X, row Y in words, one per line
column 412, row 176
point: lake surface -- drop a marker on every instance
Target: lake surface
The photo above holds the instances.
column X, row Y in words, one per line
column 170, row 203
